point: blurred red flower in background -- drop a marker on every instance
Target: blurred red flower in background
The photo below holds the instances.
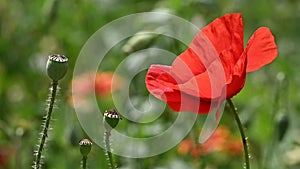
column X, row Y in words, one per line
column 220, row 141
column 214, row 66
column 4, row 155
column 103, row 84
column 7, row 154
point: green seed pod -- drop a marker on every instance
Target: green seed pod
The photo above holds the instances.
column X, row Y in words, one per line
column 85, row 146
column 139, row 41
column 111, row 119
column 282, row 125
column 57, row 66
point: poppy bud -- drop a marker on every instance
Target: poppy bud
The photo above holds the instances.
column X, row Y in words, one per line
column 57, row 66
column 111, row 119
column 139, row 41
column 282, row 124
column 85, row 146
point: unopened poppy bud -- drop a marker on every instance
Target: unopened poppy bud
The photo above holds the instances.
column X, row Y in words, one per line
column 85, row 146
column 139, row 41
column 282, row 124
column 111, row 119
column 57, row 66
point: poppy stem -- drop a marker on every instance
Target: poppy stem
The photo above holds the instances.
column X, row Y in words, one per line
column 46, row 125
column 242, row 132
column 83, row 162
column 108, row 150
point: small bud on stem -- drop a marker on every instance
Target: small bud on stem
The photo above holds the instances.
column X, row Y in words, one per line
column 57, row 66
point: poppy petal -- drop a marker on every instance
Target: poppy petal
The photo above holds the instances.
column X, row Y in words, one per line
column 235, row 86
column 187, row 65
column 162, row 85
column 261, row 49
column 191, row 104
column 207, row 85
column 238, row 77
column 158, row 81
column 223, row 35
column 226, row 34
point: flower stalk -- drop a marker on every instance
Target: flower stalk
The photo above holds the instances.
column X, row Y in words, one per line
column 46, row 125
column 108, row 150
column 242, row 132
column 84, row 159
column 110, row 120
column 56, row 67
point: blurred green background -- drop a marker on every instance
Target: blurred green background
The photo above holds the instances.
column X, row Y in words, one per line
column 31, row 30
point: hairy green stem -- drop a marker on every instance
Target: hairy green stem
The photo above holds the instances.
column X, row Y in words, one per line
column 108, row 150
column 84, row 159
column 45, row 130
column 242, row 132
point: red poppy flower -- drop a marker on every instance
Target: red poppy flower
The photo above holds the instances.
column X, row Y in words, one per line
column 214, row 66
column 101, row 81
column 103, row 84
column 222, row 140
